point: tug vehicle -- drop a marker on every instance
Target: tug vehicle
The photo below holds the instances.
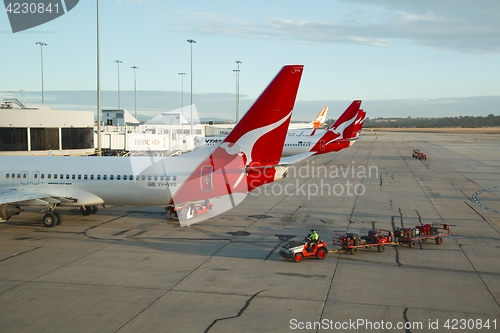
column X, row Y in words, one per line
column 418, row 154
column 305, row 249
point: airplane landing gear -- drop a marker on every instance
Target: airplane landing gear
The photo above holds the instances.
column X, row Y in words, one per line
column 52, row 218
column 88, row 210
column 49, row 220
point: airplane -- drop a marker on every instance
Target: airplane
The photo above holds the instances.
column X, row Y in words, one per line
column 317, row 123
column 245, row 159
column 337, row 137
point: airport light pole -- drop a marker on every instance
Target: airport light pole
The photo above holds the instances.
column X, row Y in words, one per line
column 237, row 90
column 98, row 84
column 135, row 91
column 191, row 42
column 182, row 97
column 42, row 44
column 118, row 63
column 182, row 91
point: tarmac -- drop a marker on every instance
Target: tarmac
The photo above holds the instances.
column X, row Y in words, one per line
column 130, row 269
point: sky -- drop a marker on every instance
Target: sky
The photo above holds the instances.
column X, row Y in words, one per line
column 427, row 53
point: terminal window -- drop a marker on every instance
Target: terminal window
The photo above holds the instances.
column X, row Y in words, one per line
column 13, row 139
column 44, row 138
column 77, row 138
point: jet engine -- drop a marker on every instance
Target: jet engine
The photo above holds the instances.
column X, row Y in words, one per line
column 7, row 211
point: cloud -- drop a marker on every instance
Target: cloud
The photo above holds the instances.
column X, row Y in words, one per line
column 458, row 25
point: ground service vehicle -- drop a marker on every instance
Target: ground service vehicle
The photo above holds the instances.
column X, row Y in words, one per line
column 300, row 250
column 418, row 154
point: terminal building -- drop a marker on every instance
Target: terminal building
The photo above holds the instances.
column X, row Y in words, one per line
column 39, row 130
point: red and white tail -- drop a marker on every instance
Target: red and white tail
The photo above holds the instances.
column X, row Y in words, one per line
column 247, row 156
column 260, row 134
column 358, row 124
column 337, row 136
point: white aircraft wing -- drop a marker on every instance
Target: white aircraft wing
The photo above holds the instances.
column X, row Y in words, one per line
column 14, row 196
column 290, row 160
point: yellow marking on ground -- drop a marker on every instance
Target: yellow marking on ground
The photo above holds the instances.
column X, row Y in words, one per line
column 381, row 187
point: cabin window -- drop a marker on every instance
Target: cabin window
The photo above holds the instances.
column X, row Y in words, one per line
column 55, row 176
column 111, row 177
column 131, row 177
column 24, row 176
column 42, row 176
column 137, row 177
column 49, row 176
column 98, row 177
column 118, row 177
column 92, row 177
column 18, row 176
column 162, row 178
column 156, row 177
column 13, row 175
column 104, row 177
column 79, row 177
column 149, row 177
column 175, row 178
column 168, row 178
column 85, row 177
column 35, row 175
column 7, row 176
column 143, row 177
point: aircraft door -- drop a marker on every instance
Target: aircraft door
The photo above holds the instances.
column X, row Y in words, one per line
column 206, row 178
column 24, row 177
column 322, row 145
column 35, row 178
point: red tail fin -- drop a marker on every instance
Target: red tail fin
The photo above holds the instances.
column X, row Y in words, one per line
column 340, row 131
column 349, row 113
column 261, row 132
column 360, row 119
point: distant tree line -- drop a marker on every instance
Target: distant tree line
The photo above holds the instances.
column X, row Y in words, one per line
column 462, row 121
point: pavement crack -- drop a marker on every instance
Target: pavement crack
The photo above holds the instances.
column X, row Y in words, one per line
column 19, row 253
column 419, row 217
column 397, row 256
column 247, row 304
column 401, row 217
column 405, row 317
column 271, row 252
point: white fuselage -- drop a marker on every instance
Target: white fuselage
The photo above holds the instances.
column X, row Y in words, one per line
column 99, row 180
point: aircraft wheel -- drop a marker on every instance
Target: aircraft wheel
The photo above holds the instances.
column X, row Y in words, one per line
column 94, row 209
column 49, row 220
column 59, row 217
column 85, row 212
column 298, row 257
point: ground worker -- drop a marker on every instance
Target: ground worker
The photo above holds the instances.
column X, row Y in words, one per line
column 313, row 237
